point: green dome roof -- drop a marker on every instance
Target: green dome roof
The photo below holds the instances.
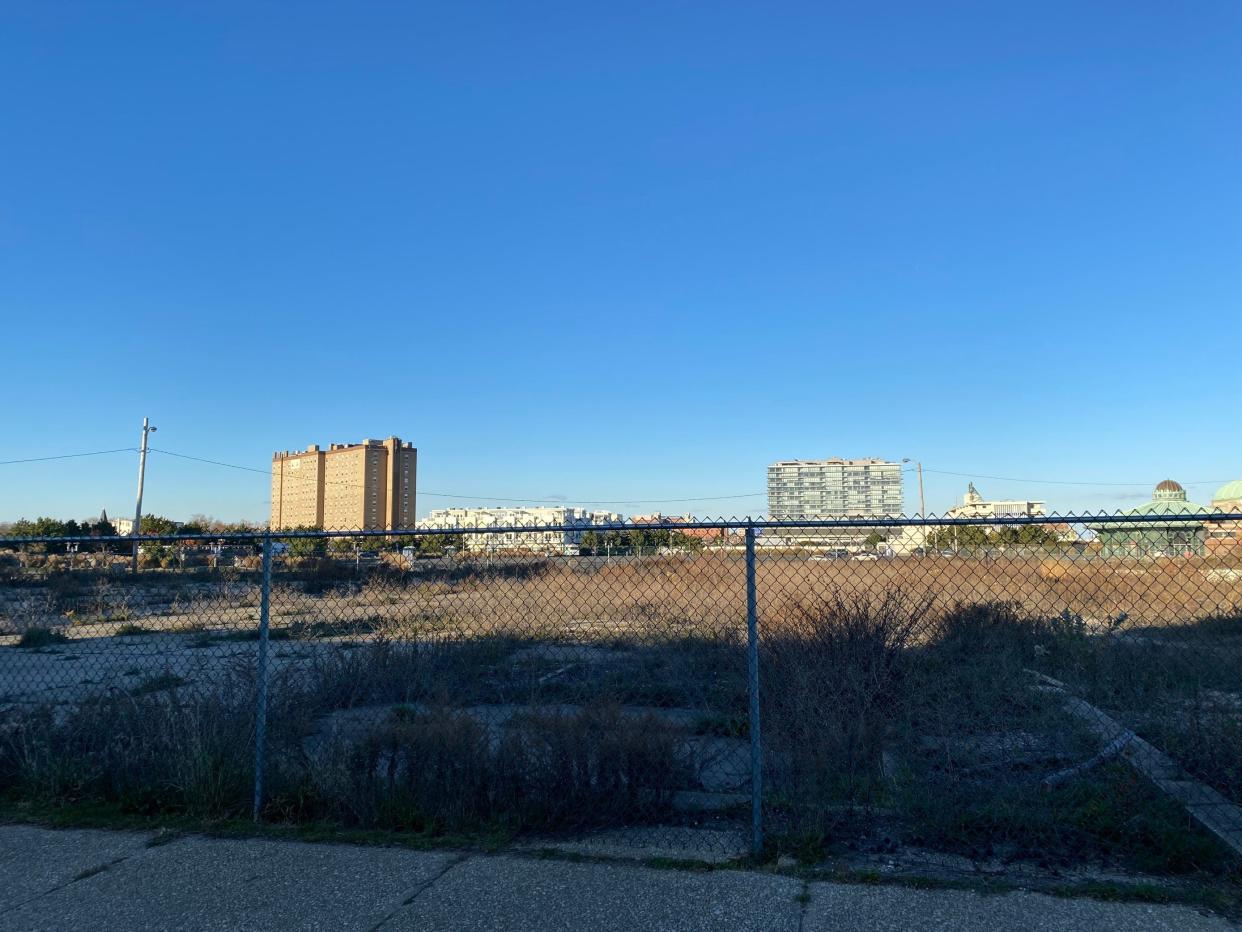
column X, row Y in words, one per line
column 1171, row 507
column 1169, row 498
column 1229, row 492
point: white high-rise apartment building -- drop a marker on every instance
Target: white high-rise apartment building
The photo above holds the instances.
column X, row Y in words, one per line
column 832, row 488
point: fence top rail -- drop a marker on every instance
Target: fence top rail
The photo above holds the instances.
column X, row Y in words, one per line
column 1103, row 520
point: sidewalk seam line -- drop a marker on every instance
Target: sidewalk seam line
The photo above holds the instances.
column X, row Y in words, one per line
column 421, row 888
column 85, row 874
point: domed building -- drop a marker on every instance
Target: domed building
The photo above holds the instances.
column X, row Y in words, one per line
column 1228, row 497
column 1178, row 536
column 1223, row 535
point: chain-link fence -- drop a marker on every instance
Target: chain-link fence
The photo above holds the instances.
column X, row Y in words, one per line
column 1064, row 690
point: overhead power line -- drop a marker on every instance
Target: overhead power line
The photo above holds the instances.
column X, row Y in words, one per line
column 494, row 498
column 975, row 475
column 593, row 501
column 66, row 456
column 199, row 459
column 669, row 501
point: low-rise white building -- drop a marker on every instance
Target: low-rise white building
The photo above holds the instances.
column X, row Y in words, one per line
column 573, row 523
column 913, row 539
column 974, row 506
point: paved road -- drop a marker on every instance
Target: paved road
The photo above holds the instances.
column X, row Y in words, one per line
column 66, row 880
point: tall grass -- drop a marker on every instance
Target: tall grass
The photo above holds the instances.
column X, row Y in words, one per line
column 156, row 751
column 896, row 694
column 834, row 674
column 442, row 770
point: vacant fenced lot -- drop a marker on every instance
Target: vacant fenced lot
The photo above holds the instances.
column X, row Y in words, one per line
column 1055, row 707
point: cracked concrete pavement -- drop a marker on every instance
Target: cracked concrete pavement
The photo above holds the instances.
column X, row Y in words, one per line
column 80, row 879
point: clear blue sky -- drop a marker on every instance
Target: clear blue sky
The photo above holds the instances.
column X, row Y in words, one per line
column 621, row 250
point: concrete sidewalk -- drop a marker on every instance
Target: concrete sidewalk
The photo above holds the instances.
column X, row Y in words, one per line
column 111, row 880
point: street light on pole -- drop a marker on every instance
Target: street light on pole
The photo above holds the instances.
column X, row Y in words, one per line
column 922, row 507
column 142, row 473
column 919, row 466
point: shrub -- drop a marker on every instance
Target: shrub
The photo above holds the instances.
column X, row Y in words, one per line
column 146, row 752
column 1205, row 736
column 444, row 770
column 1114, row 813
column 592, row 766
column 426, row 771
column 158, row 683
column 833, row 674
column 41, row 637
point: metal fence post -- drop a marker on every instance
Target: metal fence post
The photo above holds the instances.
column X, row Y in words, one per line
column 260, row 712
column 752, row 682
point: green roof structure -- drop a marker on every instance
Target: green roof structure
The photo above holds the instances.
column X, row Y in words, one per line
column 1178, row 536
column 1229, row 492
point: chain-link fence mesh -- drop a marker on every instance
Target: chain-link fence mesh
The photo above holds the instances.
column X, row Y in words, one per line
column 1042, row 690
column 1010, row 698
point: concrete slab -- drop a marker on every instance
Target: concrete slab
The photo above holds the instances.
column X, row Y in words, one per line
column 90, row 666
column 1206, row 806
column 897, row 909
column 199, row 883
column 66, row 880
column 515, row 894
column 85, row 667
column 35, row 861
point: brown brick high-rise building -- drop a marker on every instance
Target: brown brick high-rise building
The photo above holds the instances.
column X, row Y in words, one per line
column 366, row 486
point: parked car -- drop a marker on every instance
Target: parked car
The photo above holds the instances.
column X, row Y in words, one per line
column 830, row 555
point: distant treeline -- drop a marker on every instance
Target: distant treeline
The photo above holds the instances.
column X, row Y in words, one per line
column 638, row 539
column 100, row 527
column 973, row 537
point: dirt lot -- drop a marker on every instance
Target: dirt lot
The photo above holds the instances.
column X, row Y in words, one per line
column 900, row 699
